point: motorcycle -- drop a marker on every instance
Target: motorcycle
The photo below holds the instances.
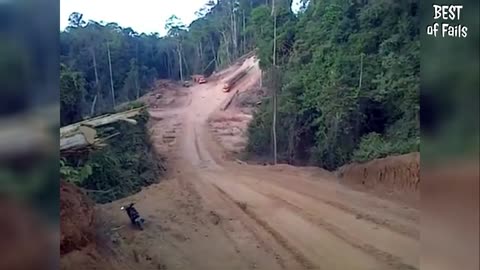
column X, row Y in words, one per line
column 134, row 216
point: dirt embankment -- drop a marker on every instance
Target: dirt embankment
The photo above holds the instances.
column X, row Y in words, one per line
column 78, row 237
column 76, row 215
column 27, row 242
column 395, row 175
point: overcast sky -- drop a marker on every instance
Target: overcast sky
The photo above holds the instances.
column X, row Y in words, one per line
column 141, row 15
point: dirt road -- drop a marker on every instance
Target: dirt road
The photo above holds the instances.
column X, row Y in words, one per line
column 217, row 214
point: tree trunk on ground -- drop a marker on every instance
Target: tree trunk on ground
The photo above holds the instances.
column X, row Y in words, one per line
column 236, row 77
column 100, row 120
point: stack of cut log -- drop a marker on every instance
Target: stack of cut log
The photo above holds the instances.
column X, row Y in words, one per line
column 83, row 134
column 230, row 83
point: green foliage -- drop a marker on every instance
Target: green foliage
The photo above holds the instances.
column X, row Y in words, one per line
column 259, row 133
column 125, row 165
column 373, row 145
column 349, row 70
column 75, row 175
column 71, row 95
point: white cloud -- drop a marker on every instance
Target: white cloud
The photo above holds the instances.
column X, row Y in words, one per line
column 141, row 15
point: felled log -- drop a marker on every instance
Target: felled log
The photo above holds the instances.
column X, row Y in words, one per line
column 240, row 162
column 229, row 101
column 230, row 83
column 100, row 121
column 83, row 135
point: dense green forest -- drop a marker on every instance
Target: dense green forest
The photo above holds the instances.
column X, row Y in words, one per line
column 346, row 79
column 343, row 74
column 106, row 64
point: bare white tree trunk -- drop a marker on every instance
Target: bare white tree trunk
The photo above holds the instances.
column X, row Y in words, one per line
column 233, row 29
column 225, row 40
column 361, row 74
column 111, row 76
column 94, row 103
column 244, row 35
column 180, row 61
column 214, row 53
column 136, row 74
column 274, row 120
column 261, row 78
column 200, row 49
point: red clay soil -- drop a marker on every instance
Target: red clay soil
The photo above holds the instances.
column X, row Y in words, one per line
column 81, row 246
column 397, row 175
column 25, row 240
column 77, row 218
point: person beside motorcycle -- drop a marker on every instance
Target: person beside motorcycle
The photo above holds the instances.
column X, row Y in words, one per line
column 134, row 216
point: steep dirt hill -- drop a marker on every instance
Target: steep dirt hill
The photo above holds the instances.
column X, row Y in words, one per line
column 84, row 245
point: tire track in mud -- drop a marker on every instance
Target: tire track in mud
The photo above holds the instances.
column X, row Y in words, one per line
column 394, row 249
column 299, row 257
column 262, row 238
column 385, row 223
column 389, row 254
column 380, row 255
column 197, row 146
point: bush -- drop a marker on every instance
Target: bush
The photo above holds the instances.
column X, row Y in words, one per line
column 125, row 165
column 259, row 134
column 373, row 146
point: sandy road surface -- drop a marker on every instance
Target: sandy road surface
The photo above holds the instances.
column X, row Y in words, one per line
column 215, row 214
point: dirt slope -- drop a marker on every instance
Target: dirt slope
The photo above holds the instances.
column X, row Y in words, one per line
column 217, row 214
column 77, row 219
column 397, row 176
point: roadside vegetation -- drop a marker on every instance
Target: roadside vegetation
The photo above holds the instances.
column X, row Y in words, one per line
column 121, row 167
column 346, row 79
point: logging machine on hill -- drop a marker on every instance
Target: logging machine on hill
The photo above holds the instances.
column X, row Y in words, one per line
column 230, row 83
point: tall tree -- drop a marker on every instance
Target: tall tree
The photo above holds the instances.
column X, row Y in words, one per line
column 177, row 30
column 274, row 57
